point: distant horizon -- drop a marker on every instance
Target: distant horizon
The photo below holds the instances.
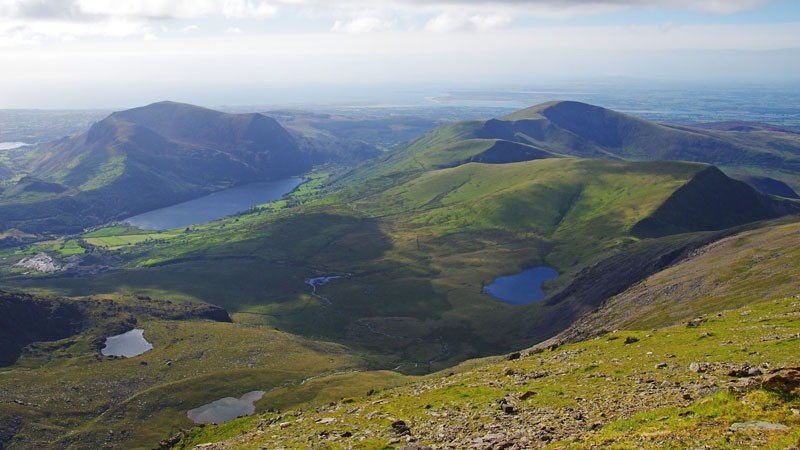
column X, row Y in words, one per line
column 673, row 102
column 110, row 96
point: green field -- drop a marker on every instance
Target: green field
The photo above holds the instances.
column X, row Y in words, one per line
column 113, row 242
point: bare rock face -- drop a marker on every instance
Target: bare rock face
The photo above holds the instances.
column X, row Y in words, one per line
column 25, row 319
column 41, row 262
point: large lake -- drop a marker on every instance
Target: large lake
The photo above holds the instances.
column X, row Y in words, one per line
column 214, row 206
column 524, row 287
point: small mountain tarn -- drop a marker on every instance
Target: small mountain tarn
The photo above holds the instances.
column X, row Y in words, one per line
column 226, row 409
column 524, row 287
column 128, row 344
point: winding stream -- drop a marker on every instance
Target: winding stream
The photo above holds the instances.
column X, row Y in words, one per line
column 319, row 281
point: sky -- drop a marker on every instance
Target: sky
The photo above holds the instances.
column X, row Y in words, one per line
column 109, row 53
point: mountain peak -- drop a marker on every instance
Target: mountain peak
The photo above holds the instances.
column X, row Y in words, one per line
column 539, row 111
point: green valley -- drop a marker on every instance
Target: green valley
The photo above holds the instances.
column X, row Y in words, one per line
column 381, row 266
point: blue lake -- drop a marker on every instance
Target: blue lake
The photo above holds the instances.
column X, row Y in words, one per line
column 214, row 206
column 524, row 287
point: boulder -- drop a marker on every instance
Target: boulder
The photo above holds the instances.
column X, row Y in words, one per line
column 783, row 381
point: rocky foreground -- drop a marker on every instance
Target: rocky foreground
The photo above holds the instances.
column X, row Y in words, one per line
column 729, row 380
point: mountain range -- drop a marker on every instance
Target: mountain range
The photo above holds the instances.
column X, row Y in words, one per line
column 574, row 129
column 383, row 266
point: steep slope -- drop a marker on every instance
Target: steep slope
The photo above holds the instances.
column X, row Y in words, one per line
column 591, row 128
column 729, row 382
column 770, row 186
column 152, row 156
column 700, row 205
column 752, row 265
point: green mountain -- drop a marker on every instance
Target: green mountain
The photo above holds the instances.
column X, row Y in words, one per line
column 566, row 128
column 153, row 156
column 388, row 263
column 413, row 258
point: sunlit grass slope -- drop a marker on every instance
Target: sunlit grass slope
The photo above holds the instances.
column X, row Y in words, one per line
column 566, row 128
column 758, row 264
column 79, row 400
column 413, row 259
column 664, row 388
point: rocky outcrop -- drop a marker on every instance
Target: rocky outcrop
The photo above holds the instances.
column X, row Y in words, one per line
column 25, row 319
column 41, row 262
column 784, row 381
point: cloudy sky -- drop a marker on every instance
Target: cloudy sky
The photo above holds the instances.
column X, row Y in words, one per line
column 55, row 53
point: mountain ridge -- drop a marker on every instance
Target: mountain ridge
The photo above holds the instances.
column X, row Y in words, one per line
column 568, row 128
column 153, row 156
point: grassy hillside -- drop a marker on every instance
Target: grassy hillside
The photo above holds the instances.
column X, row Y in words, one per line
column 408, row 246
column 587, row 131
column 753, row 265
column 64, row 394
column 145, row 158
column 413, row 258
column 674, row 387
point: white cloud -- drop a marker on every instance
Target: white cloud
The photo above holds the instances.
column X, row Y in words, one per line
column 576, row 6
column 248, row 9
column 189, row 29
column 448, row 22
column 146, row 9
column 364, row 24
column 33, row 32
column 254, row 9
column 62, row 22
column 150, row 9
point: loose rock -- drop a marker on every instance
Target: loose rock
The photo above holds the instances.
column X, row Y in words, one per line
column 762, row 426
column 400, row 428
column 526, row 395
